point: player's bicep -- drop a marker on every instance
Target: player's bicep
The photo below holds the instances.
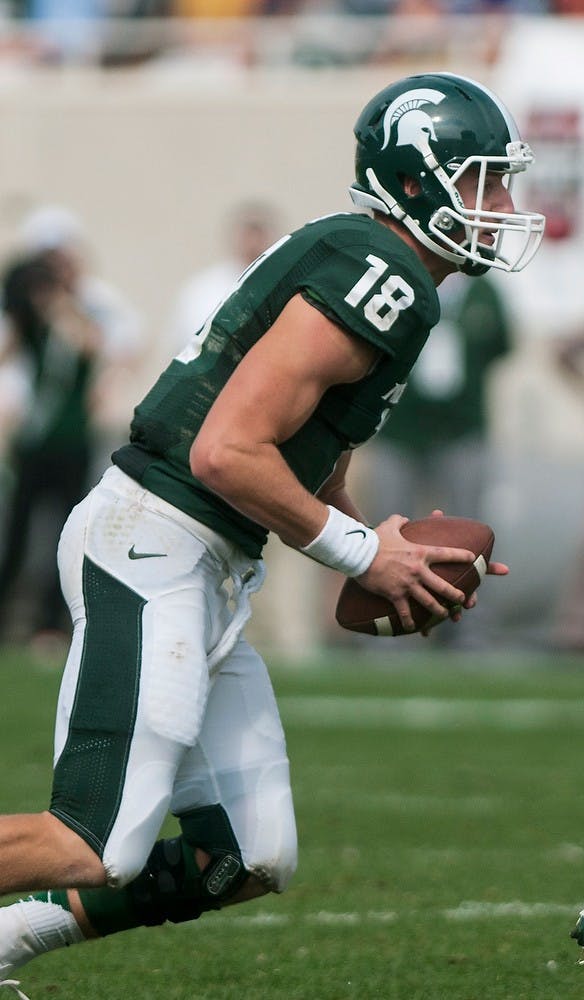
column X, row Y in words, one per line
column 278, row 384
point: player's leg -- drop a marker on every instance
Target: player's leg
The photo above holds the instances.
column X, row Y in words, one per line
column 212, row 877
column 115, row 762
column 241, row 762
column 233, row 800
column 232, row 796
column 37, row 849
column 45, row 849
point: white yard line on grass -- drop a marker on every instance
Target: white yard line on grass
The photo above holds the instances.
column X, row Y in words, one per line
column 491, row 911
column 466, row 911
column 430, row 713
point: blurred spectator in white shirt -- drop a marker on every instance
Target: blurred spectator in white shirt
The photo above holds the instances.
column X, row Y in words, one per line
column 250, row 229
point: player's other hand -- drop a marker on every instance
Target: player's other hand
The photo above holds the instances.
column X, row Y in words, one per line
column 401, row 571
column 493, row 569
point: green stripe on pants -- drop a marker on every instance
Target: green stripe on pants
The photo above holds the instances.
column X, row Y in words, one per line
column 90, row 773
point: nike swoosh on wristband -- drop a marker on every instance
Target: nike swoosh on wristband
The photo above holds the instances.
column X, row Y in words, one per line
column 356, row 531
column 132, row 554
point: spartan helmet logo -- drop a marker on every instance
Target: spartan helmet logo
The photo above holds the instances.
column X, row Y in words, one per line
column 414, row 126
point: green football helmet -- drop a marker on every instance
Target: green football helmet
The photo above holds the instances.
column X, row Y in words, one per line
column 432, row 128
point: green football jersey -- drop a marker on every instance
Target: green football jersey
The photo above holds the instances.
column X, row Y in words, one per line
column 359, row 274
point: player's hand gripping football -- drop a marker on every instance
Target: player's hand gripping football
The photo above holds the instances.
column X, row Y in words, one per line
column 402, row 571
column 493, row 569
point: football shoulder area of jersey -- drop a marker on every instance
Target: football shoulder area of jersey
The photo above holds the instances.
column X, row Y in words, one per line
column 365, row 279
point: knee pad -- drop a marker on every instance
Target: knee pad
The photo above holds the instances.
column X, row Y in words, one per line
column 209, row 829
column 172, row 887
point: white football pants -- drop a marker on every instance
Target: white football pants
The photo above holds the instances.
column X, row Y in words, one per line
column 163, row 705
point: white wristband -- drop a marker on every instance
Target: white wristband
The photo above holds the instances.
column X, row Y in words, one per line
column 344, row 544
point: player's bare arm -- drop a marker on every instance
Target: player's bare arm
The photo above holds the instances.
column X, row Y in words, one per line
column 270, row 395
column 334, row 490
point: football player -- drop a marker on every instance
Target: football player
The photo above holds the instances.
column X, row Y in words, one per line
column 164, row 706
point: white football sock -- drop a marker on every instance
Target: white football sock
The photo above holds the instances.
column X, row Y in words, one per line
column 30, row 928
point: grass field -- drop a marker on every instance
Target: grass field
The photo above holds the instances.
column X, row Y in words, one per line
column 441, row 826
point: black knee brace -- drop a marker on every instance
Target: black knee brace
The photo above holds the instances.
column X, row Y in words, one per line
column 172, row 887
column 209, row 829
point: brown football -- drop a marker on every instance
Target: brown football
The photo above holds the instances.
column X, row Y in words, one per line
column 362, row 611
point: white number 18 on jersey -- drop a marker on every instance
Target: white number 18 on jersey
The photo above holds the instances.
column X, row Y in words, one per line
column 383, row 308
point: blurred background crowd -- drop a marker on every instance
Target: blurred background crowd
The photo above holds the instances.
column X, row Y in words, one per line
column 150, row 150
column 312, row 33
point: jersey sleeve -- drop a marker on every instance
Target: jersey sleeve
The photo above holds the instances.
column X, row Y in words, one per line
column 375, row 293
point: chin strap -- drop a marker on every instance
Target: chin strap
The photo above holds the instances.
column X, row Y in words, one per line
column 475, row 268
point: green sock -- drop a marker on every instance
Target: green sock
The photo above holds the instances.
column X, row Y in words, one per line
column 109, row 911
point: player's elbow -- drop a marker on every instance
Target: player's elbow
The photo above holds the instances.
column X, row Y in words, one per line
column 203, row 460
column 210, row 462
